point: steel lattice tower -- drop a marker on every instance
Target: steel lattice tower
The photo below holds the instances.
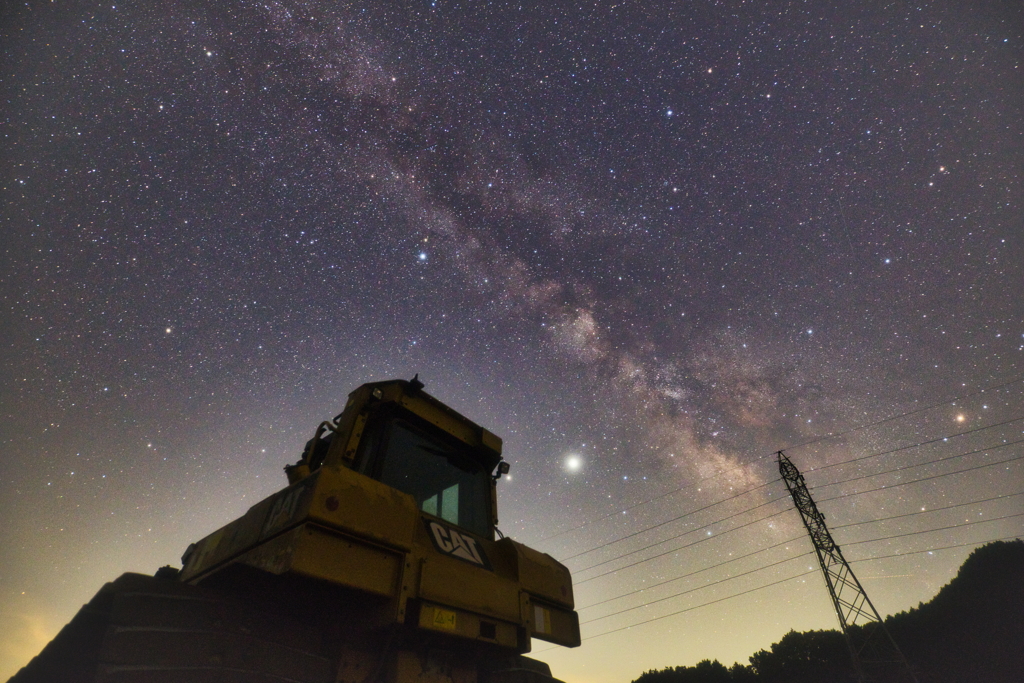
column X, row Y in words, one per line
column 876, row 657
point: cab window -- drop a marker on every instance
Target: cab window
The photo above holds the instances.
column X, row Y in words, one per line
column 439, row 473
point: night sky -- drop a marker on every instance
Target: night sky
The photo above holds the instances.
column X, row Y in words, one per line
column 647, row 244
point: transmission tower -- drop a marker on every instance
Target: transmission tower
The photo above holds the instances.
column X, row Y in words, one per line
column 876, row 657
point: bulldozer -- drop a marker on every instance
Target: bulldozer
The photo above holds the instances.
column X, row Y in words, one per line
column 380, row 562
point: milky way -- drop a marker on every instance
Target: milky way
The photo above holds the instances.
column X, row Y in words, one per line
column 648, row 245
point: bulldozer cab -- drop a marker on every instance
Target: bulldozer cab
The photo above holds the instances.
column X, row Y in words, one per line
column 441, row 474
column 409, row 441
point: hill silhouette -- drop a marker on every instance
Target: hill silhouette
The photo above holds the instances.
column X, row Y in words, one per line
column 972, row 631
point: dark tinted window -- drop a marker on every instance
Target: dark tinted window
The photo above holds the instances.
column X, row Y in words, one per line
column 445, row 481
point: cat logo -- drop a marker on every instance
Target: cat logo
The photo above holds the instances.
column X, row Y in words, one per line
column 286, row 505
column 456, row 544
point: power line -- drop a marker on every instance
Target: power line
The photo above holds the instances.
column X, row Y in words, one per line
column 932, row 550
column 675, row 595
column 712, row 602
column 922, row 464
column 654, row 545
column 925, row 512
column 777, row 545
column 791, row 540
column 916, row 481
column 783, row 543
column 906, row 414
column 783, row 560
column 915, row 445
column 818, row 469
column 689, row 609
column 693, row 590
column 669, row 521
column 760, row 519
column 617, row 557
column 924, row 531
column 929, row 531
column 678, row 548
column 683, row 547
column 683, row 576
column 869, row 651
column 650, row 500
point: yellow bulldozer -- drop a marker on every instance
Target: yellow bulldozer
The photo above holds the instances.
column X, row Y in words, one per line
column 381, row 562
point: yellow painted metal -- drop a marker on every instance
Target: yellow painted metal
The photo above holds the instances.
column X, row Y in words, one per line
column 539, row 573
column 494, row 502
column 553, row 624
column 453, row 582
column 354, row 436
column 491, row 441
column 335, row 497
column 353, row 502
column 312, row 551
column 261, row 522
column 456, row 622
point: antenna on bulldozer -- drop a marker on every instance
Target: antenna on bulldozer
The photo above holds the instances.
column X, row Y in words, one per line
column 871, row 646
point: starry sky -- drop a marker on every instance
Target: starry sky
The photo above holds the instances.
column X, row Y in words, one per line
column 647, row 244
